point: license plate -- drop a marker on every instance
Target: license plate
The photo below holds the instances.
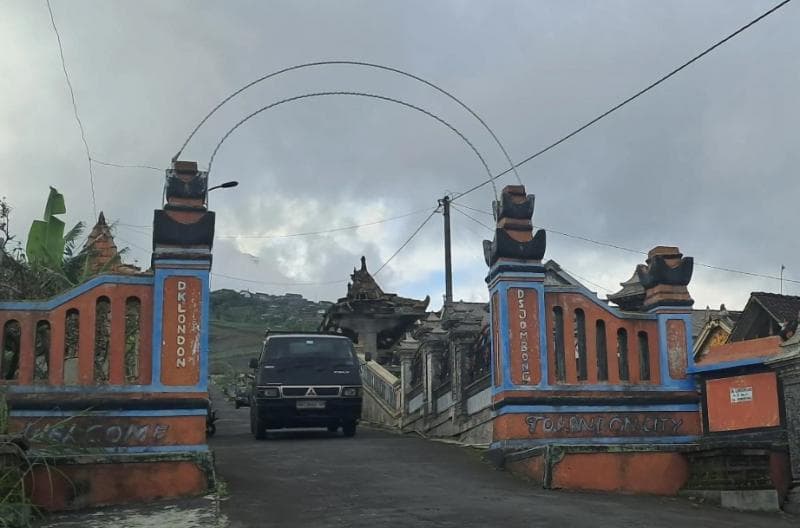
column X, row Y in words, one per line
column 310, row 404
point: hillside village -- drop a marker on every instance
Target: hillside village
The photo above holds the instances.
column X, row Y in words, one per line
column 240, row 318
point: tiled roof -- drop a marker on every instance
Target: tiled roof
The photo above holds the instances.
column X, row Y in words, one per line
column 701, row 317
column 782, row 308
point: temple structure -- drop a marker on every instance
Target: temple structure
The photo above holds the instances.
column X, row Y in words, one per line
column 102, row 253
column 374, row 319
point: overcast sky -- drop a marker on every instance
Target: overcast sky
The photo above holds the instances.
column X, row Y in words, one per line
column 707, row 161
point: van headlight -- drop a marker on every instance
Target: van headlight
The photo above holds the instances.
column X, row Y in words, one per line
column 269, row 392
column 351, row 392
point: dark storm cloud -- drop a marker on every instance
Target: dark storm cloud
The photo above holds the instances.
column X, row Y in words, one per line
column 705, row 161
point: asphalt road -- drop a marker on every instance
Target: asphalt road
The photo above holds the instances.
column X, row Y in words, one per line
column 312, row 478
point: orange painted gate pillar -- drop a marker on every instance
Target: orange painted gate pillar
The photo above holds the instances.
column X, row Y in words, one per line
column 586, row 395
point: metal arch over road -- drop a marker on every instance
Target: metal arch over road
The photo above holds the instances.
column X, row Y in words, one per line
column 354, row 94
column 398, row 71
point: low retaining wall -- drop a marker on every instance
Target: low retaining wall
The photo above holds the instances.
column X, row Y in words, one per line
column 116, row 478
column 660, row 470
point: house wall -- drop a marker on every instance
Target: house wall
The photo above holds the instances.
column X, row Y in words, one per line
column 743, row 402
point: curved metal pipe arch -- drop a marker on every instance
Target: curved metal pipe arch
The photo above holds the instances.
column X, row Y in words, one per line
column 353, row 94
column 355, row 63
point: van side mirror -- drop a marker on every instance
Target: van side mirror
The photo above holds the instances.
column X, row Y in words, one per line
column 367, row 356
column 253, row 363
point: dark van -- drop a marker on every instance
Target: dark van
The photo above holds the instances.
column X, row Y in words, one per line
column 305, row 380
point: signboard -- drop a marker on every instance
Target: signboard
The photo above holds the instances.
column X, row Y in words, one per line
column 523, row 322
column 112, row 431
column 180, row 344
column 741, row 394
column 587, row 425
column 749, row 401
column 608, row 424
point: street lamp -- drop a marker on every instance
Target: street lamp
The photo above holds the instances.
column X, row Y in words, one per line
column 226, row 185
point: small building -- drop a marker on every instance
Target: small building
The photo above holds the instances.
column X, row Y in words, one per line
column 744, row 446
column 711, row 327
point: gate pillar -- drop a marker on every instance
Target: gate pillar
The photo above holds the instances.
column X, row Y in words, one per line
column 516, row 289
column 183, row 234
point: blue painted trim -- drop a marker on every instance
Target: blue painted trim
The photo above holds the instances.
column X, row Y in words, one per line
column 184, row 262
column 502, row 286
column 158, row 325
column 596, row 387
column 592, row 296
column 693, row 368
column 55, row 302
column 97, row 389
column 520, row 409
column 666, row 379
column 602, row 440
column 155, row 412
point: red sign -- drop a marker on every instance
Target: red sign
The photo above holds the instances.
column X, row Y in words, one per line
column 743, row 402
column 523, row 328
column 180, row 345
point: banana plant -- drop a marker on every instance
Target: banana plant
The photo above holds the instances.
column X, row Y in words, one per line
column 51, row 253
column 46, row 242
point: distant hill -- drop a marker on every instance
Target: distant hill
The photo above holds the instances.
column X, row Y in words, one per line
column 239, row 320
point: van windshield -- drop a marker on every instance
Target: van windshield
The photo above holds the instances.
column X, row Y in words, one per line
column 309, row 349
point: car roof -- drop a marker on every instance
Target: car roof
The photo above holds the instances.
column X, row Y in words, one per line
column 306, row 335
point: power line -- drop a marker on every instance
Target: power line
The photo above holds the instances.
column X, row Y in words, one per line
column 591, row 240
column 305, row 233
column 417, row 230
column 472, row 218
column 215, row 274
column 630, row 250
column 125, row 165
column 639, row 252
column 477, row 210
column 333, row 230
column 74, row 106
column 629, row 99
column 584, row 279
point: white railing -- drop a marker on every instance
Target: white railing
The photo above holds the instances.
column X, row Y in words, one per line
column 382, row 383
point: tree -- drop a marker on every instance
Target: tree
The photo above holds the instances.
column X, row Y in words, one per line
column 50, row 263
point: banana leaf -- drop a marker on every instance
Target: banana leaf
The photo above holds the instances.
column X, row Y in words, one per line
column 45, row 245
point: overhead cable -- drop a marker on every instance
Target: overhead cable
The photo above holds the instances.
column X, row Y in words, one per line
column 417, row 230
column 629, row 99
column 74, row 107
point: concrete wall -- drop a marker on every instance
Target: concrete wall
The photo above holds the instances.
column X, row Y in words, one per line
column 473, row 428
column 376, row 412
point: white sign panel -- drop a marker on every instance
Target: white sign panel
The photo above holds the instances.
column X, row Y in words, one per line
column 741, row 394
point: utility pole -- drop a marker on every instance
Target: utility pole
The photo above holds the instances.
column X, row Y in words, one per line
column 448, row 261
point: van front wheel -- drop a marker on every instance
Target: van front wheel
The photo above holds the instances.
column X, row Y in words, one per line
column 349, row 429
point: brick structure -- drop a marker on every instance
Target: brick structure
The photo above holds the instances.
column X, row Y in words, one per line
column 586, row 395
column 113, row 373
column 374, row 319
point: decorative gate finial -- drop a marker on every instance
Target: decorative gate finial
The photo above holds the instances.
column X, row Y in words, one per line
column 514, row 238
